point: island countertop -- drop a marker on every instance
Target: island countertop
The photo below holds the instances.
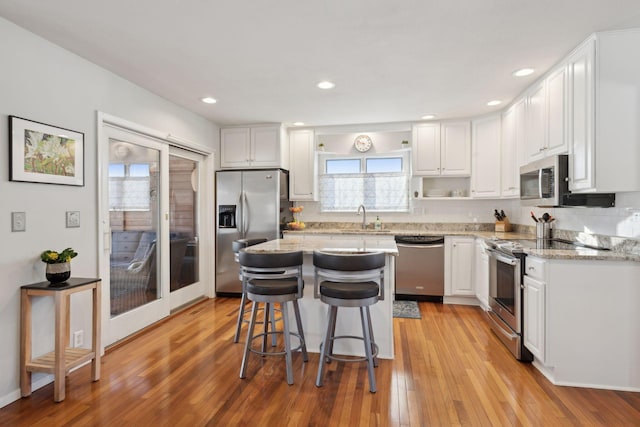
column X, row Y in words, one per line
column 308, row 246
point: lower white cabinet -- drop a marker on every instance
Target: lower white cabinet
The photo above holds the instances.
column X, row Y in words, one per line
column 534, row 317
column 458, row 266
column 481, row 274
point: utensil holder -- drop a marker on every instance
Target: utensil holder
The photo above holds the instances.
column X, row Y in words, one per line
column 543, row 230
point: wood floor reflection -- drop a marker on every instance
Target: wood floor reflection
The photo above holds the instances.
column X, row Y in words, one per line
column 449, row 370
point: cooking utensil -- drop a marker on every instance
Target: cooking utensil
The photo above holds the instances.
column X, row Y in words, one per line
column 534, row 217
column 502, row 214
column 545, row 217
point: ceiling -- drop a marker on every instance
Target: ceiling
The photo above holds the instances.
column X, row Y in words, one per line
column 391, row 61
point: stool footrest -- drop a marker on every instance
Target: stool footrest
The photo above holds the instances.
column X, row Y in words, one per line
column 276, row 353
column 352, row 358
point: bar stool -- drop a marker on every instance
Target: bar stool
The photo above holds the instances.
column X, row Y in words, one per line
column 349, row 280
column 236, row 245
column 273, row 278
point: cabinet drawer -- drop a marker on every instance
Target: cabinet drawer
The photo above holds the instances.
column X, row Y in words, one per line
column 535, row 267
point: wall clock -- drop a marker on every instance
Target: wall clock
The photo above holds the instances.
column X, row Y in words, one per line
column 362, row 143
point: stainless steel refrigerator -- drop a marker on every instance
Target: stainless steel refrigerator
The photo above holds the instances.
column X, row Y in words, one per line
column 250, row 204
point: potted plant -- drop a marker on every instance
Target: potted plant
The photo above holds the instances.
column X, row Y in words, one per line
column 58, row 264
column 321, row 147
column 404, row 144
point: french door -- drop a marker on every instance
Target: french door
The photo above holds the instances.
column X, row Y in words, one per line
column 150, row 208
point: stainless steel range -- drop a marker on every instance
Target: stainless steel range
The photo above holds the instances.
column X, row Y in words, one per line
column 506, row 269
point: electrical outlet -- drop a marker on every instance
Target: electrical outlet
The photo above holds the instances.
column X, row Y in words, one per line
column 18, row 221
column 78, row 338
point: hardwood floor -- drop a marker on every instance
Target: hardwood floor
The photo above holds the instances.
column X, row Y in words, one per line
column 449, row 370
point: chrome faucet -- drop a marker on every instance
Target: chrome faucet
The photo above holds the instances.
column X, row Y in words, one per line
column 364, row 216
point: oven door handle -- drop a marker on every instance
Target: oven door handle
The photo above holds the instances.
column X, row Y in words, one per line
column 502, row 330
column 502, row 258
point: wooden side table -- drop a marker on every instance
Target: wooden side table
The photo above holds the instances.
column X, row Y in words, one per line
column 60, row 361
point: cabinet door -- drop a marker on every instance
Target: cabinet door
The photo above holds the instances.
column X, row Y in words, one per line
column 265, row 147
column 581, row 77
column 302, row 165
column 481, row 274
column 509, row 155
column 536, row 118
column 461, row 266
column 520, row 122
column 534, row 317
column 234, row 147
column 557, row 112
column 426, row 149
column 455, row 148
column 485, row 176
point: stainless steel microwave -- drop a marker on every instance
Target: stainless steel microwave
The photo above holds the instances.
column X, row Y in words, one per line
column 543, row 182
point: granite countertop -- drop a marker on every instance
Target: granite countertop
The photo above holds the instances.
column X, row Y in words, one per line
column 308, row 246
column 627, row 251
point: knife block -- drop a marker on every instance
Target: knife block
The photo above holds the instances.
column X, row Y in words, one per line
column 503, row 225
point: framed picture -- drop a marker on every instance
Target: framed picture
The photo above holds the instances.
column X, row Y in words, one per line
column 44, row 153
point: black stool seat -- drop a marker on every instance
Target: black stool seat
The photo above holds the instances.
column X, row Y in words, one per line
column 358, row 290
column 273, row 287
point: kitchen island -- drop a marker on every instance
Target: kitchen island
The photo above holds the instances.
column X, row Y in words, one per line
column 314, row 311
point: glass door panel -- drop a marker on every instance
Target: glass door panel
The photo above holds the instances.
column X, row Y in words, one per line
column 184, row 204
column 134, row 222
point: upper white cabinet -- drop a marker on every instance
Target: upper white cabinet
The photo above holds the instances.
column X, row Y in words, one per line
column 557, row 141
column 547, row 113
column 251, row 147
column 442, row 149
column 535, row 139
column 302, row 170
column 605, row 81
column 485, row 177
column 512, row 145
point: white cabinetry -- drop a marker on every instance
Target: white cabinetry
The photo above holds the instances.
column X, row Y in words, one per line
column 302, row 163
column 512, row 145
column 458, row 266
column 605, row 82
column 548, row 115
column 581, row 325
column 534, row 319
column 535, row 116
column 251, row 147
column 485, row 177
column 481, row 274
column 557, row 141
column 442, row 149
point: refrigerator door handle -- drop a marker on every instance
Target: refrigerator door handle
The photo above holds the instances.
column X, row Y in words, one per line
column 245, row 213
column 239, row 216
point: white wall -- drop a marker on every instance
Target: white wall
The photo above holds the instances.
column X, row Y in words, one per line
column 42, row 82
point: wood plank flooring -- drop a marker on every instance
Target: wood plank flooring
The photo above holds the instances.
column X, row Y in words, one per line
column 449, row 370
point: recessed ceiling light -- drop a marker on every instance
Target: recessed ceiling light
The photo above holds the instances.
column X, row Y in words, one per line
column 428, row 117
column 494, row 103
column 298, row 123
column 326, row 85
column 523, row 72
column 209, row 100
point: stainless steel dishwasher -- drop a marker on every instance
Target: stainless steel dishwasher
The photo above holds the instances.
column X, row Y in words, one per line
column 420, row 268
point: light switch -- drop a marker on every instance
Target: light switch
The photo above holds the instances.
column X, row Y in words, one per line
column 73, row 219
column 18, row 221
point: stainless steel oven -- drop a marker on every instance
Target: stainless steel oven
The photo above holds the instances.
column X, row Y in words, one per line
column 505, row 297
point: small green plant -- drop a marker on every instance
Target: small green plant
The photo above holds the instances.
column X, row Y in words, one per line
column 53, row 257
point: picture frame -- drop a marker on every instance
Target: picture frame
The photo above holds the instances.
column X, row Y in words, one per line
column 46, row 154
